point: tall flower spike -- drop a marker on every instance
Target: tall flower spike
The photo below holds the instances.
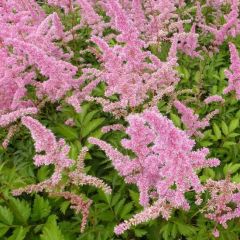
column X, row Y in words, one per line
column 191, row 120
column 164, row 158
column 64, row 4
column 214, row 98
column 78, row 204
column 60, row 73
column 55, row 152
column 224, row 203
column 79, row 177
column 233, row 74
column 12, row 117
column 91, row 18
column 230, row 28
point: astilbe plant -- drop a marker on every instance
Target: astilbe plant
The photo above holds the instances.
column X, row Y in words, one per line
column 191, row 120
column 39, row 56
column 49, row 150
column 34, row 55
column 231, row 27
column 233, row 74
column 164, row 166
column 224, row 203
column 126, row 68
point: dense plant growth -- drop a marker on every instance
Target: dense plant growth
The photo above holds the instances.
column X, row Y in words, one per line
column 119, row 119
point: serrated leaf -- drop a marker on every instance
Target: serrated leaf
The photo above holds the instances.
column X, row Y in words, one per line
column 126, row 210
column 174, row 231
column 51, row 230
column 119, row 206
column 224, row 128
column 89, row 117
column 166, row 230
column 217, row 131
column 21, row 209
column 228, row 144
column 41, row 208
column 135, row 197
column 84, row 110
column 67, row 132
column 43, row 173
column 236, row 178
column 91, row 126
column 140, row 232
column 206, row 143
column 176, row 120
column 6, row 216
column 233, row 124
column 233, row 135
column 64, row 206
column 115, row 199
column 3, row 229
column 186, row 230
column 231, row 168
column 19, row 233
column 107, row 216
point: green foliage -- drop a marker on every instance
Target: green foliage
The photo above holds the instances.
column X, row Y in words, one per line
column 39, row 217
column 51, row 230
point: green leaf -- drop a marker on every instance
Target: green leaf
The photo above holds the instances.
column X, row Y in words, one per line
column 126, row 209
column 43, row 173
column 228, row 144
column 217, row 131
column 41, row 208
column 186, row 230
column 91, row 126
column 64, row 206
column 119, row 206
column 3, row 229
column 166, row 230
column 140, row 232
column 236, row 178
column 6, row 216
column 176, row 120
column 89, row 117
column 224, row 128
column 135, row 197
column 233, row 124
column 231, row 168
column 206, row 143
column 66, row 131
column 19, row 233
column 174, row 231
column 106, row 215
column 51, row 230
column 84, row 111
column 116, row 198
column 21, row 209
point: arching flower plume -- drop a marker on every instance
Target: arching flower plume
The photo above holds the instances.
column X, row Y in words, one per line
column 164, row 158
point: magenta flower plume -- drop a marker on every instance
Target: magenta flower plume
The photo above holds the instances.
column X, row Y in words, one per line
column 191, row 120
column 164, row 158
column 11, row 117
column 233, row 74
column 214, row 98
column 224, row 203
column 55, row 151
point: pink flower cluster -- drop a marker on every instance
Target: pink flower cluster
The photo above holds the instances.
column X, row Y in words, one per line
column 36, row 54
column 49, row 150
column 231, row 27
column 191, row 120
column 224, row 203
column 165, row 164
column 233, row 74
